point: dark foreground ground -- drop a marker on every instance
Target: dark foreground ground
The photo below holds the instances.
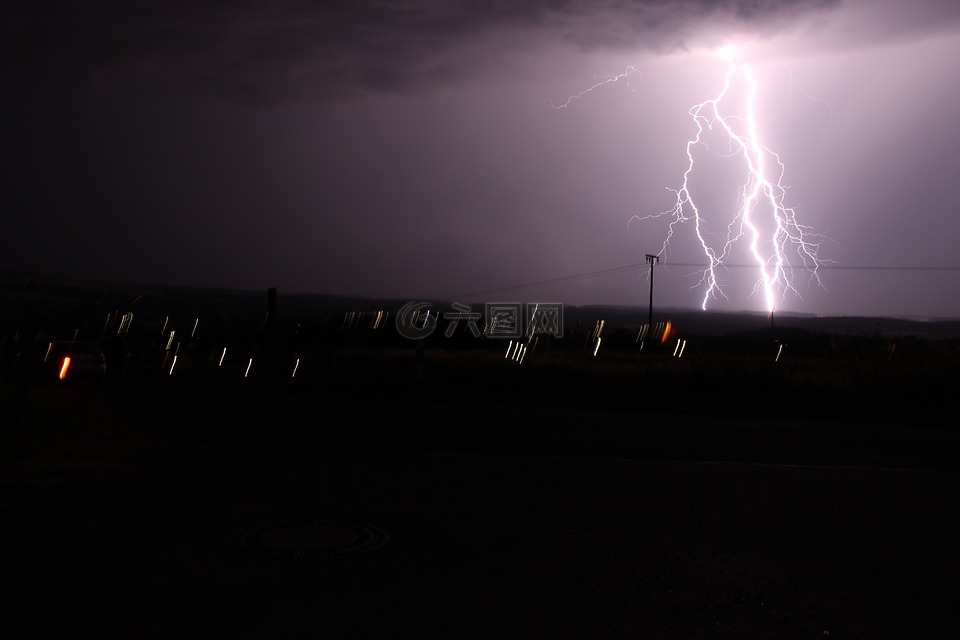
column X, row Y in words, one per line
column 144, row 509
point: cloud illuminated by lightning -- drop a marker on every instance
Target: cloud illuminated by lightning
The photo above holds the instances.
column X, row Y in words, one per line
column 763, row 222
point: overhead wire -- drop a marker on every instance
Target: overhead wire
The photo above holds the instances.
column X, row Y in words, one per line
column 643, row 265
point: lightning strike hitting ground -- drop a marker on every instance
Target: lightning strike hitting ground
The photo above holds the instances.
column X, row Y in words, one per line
column 763, row 222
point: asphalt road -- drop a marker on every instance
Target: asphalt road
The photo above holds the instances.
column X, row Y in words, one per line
column 352, row 520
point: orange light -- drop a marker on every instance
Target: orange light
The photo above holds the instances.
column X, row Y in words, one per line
column 64, row 367
column 666, row 332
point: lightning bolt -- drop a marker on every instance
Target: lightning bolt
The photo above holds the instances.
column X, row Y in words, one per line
column 768, row 227
column 627, row 74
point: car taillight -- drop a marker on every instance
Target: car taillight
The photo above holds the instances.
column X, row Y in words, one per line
column 64, row 367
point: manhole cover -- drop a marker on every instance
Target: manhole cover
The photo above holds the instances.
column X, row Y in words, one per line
column 306, row 538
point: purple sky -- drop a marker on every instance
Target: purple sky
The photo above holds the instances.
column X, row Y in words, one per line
column 415, row 150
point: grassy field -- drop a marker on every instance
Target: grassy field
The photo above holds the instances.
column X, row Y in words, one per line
column 740, row 479
column 185, row 362
column 457, row 398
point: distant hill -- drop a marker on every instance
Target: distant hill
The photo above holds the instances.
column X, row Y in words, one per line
column 57, row 296
column 719, row 322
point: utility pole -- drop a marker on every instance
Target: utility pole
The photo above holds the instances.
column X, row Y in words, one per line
column 651, row 260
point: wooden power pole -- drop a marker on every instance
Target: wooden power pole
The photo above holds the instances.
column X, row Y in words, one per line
column 651, row 260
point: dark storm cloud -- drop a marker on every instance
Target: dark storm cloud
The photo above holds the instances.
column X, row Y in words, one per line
column 298, row 50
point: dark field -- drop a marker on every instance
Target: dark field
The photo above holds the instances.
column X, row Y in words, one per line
column 194, row 344
column 326, row 477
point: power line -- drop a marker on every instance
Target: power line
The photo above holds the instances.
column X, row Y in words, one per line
column 570, row 278
column 824, row 267
column 643, row 265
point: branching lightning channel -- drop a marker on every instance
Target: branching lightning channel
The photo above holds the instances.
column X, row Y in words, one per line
column 762, row 221
column 627, row 74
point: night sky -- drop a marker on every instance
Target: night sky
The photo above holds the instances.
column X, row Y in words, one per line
column 481, row 151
